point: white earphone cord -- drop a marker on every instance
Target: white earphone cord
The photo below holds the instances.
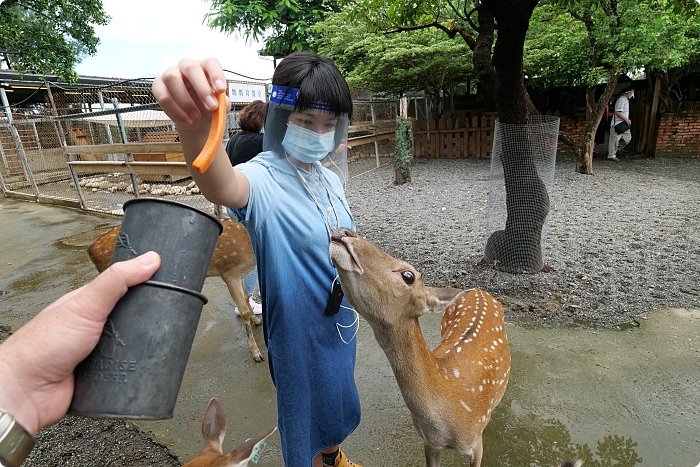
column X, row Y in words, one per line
column 354, row 323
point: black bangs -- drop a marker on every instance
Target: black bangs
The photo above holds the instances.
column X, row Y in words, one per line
column 318, row 81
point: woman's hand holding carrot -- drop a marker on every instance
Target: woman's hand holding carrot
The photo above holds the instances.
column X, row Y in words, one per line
column 187, row 92
column 193, row 95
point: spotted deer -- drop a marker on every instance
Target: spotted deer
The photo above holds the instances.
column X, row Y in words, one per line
column 232, row 260
column 451, row 391
column 213, row 432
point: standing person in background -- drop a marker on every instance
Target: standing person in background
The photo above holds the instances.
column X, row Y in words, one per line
column 621, row 114
column 248, row 142
column 290, row 198
column 242, row 147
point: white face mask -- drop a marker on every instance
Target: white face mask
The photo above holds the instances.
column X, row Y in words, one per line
column 307, row 145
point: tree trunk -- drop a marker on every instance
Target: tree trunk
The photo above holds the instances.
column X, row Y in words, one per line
column 594, row 111
column 517, row 248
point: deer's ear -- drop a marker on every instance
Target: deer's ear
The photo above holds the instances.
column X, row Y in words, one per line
column 214, row 425
column 438, row 298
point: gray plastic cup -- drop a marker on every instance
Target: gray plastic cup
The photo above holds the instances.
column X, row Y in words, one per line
column 185, row 238
column 136, row 370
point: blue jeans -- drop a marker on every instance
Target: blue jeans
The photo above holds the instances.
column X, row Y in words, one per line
column 250, row 281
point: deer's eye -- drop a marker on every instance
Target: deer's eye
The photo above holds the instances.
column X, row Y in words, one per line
column 408, row 277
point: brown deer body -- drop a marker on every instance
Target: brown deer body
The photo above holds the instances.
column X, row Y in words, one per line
column 451, row 391
column 232, row 260
column 213, row 432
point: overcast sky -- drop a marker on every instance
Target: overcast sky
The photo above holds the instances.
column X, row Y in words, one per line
column 145, row 37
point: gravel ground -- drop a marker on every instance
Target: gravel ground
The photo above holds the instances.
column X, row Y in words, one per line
column 620, row 244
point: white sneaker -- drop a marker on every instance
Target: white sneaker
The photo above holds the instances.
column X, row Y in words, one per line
column 257, row 308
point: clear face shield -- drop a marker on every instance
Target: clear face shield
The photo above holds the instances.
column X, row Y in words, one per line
column 306, row 134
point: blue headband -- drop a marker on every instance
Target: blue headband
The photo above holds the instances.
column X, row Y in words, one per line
column 288, row 96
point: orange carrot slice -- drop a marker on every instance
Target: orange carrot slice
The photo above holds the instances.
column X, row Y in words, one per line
column 216, row 133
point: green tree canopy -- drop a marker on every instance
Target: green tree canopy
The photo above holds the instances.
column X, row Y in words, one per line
column 49, row 36
column 555, row 50
column 424, row 59
column 284, row 25
column 589, row 42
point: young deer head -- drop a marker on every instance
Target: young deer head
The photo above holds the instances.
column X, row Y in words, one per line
column 233, row 260
column 451, row 391
column 213, row 431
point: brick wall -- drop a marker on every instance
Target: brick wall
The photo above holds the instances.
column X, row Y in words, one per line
column 679, row 134
column 576, row 127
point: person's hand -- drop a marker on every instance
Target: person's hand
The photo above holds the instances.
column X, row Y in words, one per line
column 186, row 92
column 37, row 362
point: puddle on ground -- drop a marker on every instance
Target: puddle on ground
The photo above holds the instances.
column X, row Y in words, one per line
column 611, row 397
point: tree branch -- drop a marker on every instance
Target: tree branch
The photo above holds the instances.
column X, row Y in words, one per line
column 451, row 32
column 455, row 10
column 469, row 19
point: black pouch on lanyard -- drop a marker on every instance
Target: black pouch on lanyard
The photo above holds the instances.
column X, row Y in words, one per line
column 336, row 298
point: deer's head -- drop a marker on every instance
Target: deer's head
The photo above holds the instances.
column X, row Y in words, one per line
column 383, row 289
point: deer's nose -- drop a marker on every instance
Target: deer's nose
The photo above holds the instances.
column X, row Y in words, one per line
column 341, row 233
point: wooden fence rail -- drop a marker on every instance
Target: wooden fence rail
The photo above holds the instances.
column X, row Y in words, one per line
column 459, row 138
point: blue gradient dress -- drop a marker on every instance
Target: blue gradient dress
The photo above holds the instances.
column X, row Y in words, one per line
column 311, row 366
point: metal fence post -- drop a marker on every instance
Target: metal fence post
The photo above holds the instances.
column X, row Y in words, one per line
column 59, row 128
column 122, row 132
column 108, row 130
column 20, row 149
column 4, row 159
column 2, row 153
column 38, row 141
column 374, row 122
column 76, row 183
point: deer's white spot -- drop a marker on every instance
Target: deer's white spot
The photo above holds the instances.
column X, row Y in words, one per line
column 455, row 372
column 466, row 407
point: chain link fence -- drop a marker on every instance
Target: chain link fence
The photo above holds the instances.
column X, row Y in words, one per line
column 97, row 147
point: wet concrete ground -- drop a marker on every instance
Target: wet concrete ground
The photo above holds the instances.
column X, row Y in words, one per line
column 611, row 397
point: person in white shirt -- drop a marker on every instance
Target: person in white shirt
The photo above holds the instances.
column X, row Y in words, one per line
column 621, row 114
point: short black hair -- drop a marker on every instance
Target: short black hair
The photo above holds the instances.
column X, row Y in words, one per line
column 319, row 82
column 318, row 79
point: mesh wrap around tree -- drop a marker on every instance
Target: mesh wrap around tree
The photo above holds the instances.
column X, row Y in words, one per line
column 404, row 151
column 520, row 185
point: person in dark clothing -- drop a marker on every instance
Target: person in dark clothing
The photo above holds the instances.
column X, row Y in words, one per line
column 246, row 144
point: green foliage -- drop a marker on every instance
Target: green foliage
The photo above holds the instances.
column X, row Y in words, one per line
column 424, row 59
column 628, row 35
column 404, row 151
column 383, row 15
column 283, row 24
column 547, row 441
column 50, row 36
column 555, row 51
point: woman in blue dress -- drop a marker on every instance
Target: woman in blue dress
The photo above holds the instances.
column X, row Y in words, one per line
column 290, row 198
